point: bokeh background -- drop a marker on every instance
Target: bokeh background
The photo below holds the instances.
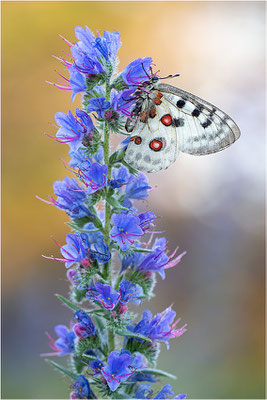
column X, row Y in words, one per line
column 212, row 206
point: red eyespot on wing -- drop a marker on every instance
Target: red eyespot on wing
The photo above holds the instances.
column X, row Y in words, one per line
column 138, row 140
column 159, row 95
column 157, row 101
column 166, row 120
column 132, row 138
column 156, row 145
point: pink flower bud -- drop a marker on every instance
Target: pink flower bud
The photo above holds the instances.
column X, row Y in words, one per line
column 85, row 263
column 79, row 330
column 71, row 273
column 122, row 308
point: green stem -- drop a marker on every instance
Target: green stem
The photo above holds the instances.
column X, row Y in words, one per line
column 107, row 266
column 111, row 340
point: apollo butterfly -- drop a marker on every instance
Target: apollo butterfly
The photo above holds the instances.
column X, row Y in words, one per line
column 166, row 120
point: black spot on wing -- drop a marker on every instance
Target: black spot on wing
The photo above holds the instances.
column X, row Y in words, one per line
column 211, row 114
column 180, row 103
column 177, row 122
column 196, row 112
column 206, row 123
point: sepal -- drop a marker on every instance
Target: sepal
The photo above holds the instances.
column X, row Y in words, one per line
column 143, row 279
column 91, row 342
column 118, row 84
column 151, row 352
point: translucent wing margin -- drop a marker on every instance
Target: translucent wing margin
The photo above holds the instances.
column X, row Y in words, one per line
column 201, row 127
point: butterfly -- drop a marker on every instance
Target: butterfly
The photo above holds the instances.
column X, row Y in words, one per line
column 166, row 120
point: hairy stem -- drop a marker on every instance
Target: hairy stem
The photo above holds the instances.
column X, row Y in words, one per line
column 107, row 266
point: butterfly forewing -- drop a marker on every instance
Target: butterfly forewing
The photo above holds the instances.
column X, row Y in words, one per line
column 206, row 129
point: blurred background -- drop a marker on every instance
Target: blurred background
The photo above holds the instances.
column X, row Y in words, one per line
column 212, row 207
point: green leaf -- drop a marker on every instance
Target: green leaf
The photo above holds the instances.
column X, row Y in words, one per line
column 126, row 332
column 88, row 357
column 116, row 157
column 157, row 372
column 64, row 370
column 95, row 311
column 131, row 169
column 80, row 222
column 100, row 323
column 78, row 295
column 135, row 249
column 77, row 228
column 115, row 203
column 68, row 303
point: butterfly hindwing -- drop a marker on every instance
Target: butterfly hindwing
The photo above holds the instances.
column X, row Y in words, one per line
column 153, row 146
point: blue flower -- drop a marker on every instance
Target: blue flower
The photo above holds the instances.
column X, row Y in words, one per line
column 158, row 260
column 72, row 130
column 94, row 244
column 137, row 71
column 143, row 391
column 130, row 292
column 100, row 251
column 118, row 369
column 165, row 392
column 65, row 342
column 85, row 54
column 143, row 377
column 95, row 236
column 131, row 260
column 77, row 82
column 93, row 54
column 95, row 177
column 103, row 294
column 161, row 327
column 85, row 326
column 70, row 198
column 121, row 176
column 123, row 102
column 80, row 160
column 96, row 366
column 99, row 105
column 74, row 251
column 138, row 187
column 82, row 388
column 126, row 229
column 108, row 45
column 146, row 220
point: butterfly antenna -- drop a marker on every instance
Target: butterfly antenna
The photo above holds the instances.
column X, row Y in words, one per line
column 145, row 71
column 170, row 76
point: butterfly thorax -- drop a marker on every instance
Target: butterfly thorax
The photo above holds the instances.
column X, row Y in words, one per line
column 147, row 96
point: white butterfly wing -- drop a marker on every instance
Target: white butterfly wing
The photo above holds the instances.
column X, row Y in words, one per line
column 201, row 127
column 153, row 146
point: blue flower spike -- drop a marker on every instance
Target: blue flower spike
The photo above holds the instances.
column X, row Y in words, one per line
column 112, row 251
